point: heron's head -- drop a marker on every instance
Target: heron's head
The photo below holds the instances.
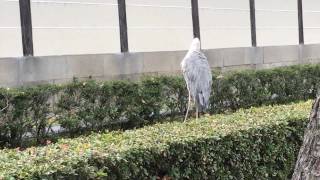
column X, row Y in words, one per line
column 195, row 45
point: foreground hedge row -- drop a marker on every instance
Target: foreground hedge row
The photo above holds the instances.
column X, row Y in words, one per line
column 256, row 143
column 80, row 107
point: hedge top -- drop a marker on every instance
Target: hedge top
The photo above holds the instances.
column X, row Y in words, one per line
column 63, row 156
column 82, row 107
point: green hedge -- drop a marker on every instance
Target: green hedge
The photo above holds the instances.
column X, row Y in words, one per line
column 255, row 143
column 82, row 107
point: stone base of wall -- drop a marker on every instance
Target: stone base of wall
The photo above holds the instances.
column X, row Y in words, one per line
column 60, row 69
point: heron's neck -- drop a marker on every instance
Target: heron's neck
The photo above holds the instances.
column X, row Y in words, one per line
column 193, row 51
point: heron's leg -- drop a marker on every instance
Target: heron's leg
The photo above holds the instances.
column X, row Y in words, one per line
column 197, row 112
column 189, row 102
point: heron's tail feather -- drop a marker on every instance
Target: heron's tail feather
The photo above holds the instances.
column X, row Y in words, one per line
column 202, row 102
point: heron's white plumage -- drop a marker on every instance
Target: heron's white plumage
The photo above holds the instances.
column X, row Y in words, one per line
column 197, row 74
column 195, row 45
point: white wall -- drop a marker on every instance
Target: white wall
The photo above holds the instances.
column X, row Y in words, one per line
column 10, row 34
column 225, row 23
column 161, row 26
column 84, row 28
column 277, row 28
column 312, row 21
column 91, row 26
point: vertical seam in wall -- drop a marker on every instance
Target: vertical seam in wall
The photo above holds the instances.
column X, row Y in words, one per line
column 253, row 57
column 143, row 63
column 259, row 55
column 300, row 60
column 263, row 56
column 104, row 67
column 223, row 59
column 19, row 83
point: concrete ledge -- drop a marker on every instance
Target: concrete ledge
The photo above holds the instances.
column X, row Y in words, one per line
column 237, row 56
column 275, row 54
column 61, row 69
column 9, row 72
column 310, row 52
column 122, row 64
column 215, row 58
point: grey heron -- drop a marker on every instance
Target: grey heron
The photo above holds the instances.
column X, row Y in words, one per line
column 197, row 74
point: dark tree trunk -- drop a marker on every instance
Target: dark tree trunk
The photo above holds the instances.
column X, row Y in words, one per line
column 308, row 162
column 123, row 25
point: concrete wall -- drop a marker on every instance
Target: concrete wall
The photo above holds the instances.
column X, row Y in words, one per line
column 60, row 69
column 64, row 27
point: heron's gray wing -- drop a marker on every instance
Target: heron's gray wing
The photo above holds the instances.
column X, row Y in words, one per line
column 197, row 74
column 190, row 73
column 204, row 81
column 201, row 55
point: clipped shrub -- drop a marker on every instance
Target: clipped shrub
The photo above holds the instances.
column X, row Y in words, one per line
column 24, row 113
column 255, row 143
column 271, row 86
column 81, row 107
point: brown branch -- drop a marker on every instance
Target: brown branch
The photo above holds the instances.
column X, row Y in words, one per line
column 308, row 161
column 6, row 105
